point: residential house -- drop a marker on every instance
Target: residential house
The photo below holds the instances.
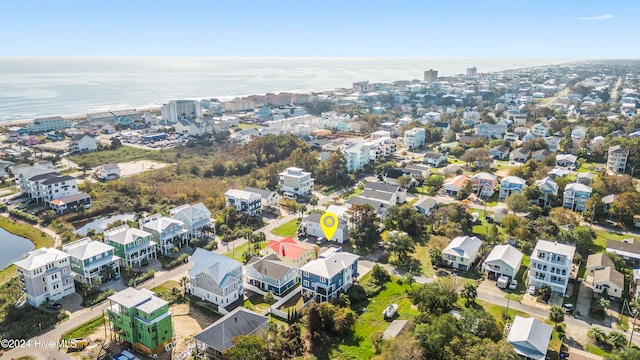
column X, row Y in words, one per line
column 45, row 276
column 617, row 159
column 548, row 187
column 417, row 172
column 357, row 156
column 579, row 132
column 462, row 252
column 414, row 138
column 585, row 177
column 511, row 185
column 215, row 278
column 218, row 337
column 550, row 264
column 330, row 274
column 295, row 181
column 311, row 227
column 244, row 202
column 469, row 139
column 424, row 205
column 541, row 154
column 444, row 126
column 503, row 260
column 141, row 319
column 608, row 282
column 192, row 127
column 530, row 338
column 484, row 184
column 499, row 215
column 290, row 251
column 390, row 194
column 435, row 158
column 575, row 196
column 553, row 142
column 520, row 155
column 49, row 186
column 195, row 218
column 167, row 232
column 597, row 262
column 269, row 273
column 490, row 131
column 71, row 203
column 133, row 246
column 86, row 143
column 628, row 249
column 557, row 172
column 511, row 137
column 500, row 152
column 268, row 198
column 92, row 260
column 566, row 160
column 540, row 130
column 453, row 186
column 108, row 172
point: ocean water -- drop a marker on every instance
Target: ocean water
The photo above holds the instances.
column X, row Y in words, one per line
column 49, row 86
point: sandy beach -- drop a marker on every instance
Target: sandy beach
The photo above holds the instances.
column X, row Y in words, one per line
column 74, row 118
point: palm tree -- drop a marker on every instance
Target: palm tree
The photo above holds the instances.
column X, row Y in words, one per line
column 617, row 339
column 258, row 239
column 303, row 209
column 556, row 315
column 313, row 202
column 602, row 304
column 469, row 293
column 596, row 334
column 183, row 282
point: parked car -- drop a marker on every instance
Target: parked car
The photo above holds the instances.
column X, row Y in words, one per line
column 513, row 284
column 532, row 290
column 390, row 311
column 568, row 308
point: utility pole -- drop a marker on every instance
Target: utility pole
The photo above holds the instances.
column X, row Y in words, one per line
column 593, row 214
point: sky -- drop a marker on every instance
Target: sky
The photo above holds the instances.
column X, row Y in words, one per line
column 580, row 29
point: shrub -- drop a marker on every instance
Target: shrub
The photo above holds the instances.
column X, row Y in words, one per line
column 24, row 216
column 170, row 263
column 141, row 278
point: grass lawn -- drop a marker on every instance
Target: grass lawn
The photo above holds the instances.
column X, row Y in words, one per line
column 236, row 253
column 250, row 126
column 85, row 329
column 359, row 346
column 256, row 303
column 594, row 349
column 553, row 352
column 38, row 237
column 453, row 160
column 295, row 302
column 600, row 242
column 288, row 229
column 498, row 312
column 165, row 290
column 422, row 255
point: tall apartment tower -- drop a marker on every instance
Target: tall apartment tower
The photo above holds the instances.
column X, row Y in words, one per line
column 180, row 109
column 472, row 71
column 431, row 76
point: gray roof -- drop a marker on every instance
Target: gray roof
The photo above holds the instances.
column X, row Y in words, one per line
column 507, row 253
column 239, row 322
column 215, row 265
column 463, row 246
column 331, row 265
column 530, row 337
column 58, row 179
column 357, row 200
column 381, row 187
column 425, row 203
column 599, row 260
column 74, row 197
column 377, row 195
column 609, row 274
column 314, row 217
column 86, row 248
column 270, row 266
column 626, row 245
column 262, row 192
column 40, row 257
column 131, row 297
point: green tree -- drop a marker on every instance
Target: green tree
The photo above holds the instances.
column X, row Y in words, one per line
column 480, row 323
column 436, row 337
column 407, row 219
column 435, row 254
column 313, row 202
column 596, row 334
column 486, row 349
column 616, row 339
column 469, row 292
column 380, row 275
column 401, row 246
column 556, row 315
column 602, row 304
column 435, row 298
column 518, row 203
column 631, row 353
column 247, row 348
column 404, row 347
column 270, row 299
column 364, row 232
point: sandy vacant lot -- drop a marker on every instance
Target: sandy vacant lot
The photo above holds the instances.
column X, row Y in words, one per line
column 134, row 167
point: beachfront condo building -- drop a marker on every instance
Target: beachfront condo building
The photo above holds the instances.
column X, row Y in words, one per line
column 180, row 109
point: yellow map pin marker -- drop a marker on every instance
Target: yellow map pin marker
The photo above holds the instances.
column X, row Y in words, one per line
column 329, row 224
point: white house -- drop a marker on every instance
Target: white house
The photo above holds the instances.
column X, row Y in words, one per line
column 311, row 226
column 503, row 260
column 108, row 172
column 456, row 184
column 296, row 181
column 435, row 158
column 608, row 282
column 414, row 138
column 248, row 203
column 530, row 338
column 215, row 278
column 267, row 197
column 551, row 265
column 87, row 143
column 617, row 159
column 45, row 276
column 462, row 252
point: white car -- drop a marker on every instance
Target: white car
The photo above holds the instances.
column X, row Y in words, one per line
column 532, row 290
column 390, row 311
column 513, row 284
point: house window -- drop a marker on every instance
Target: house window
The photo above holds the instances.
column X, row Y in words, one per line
column 304, row 283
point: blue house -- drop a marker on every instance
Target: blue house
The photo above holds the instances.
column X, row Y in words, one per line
column 575, row 196
column 271, row 274
column 491, row 131
column 324, row 278
column 511, row 185
column 549, row 189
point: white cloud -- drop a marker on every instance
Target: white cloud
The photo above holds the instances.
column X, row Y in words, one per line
column 599, row 17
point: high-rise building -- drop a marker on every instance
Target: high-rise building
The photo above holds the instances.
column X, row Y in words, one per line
column 180, row 109
column 472, row 71
column 431, row 76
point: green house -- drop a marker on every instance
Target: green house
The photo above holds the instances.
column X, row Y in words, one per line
column 141, row 319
